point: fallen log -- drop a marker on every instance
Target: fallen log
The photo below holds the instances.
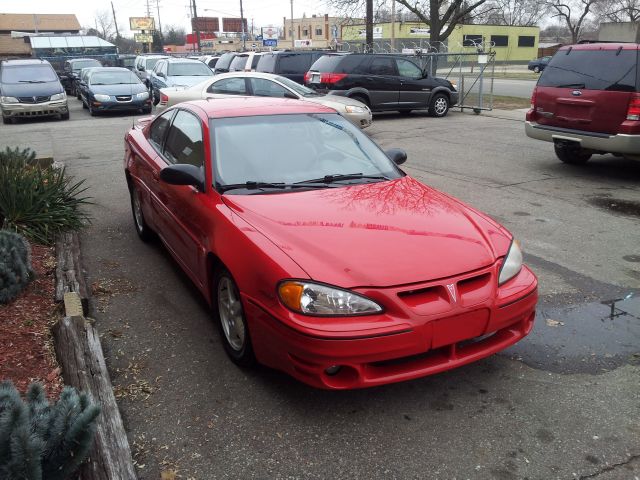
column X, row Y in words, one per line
column 79, row 353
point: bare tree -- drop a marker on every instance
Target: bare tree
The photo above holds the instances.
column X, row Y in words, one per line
column 523, row 13
column 573, row 13
column 104, row 24
column 174, row 35
column 619, row 10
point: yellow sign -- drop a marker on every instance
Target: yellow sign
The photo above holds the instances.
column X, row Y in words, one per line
column 142, row 23
column 143, row 38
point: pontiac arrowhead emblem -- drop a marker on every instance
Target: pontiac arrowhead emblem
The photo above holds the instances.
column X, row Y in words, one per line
column 452, row 292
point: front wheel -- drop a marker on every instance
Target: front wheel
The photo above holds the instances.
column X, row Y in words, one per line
column 64, row 116
column 439, row 105
column 572, row 155
column 227, row 309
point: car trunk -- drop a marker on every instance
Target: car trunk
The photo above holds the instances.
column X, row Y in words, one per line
column 588, row 89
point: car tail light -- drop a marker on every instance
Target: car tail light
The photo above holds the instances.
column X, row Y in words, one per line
column 533, row 98
column 332, row 77
column 633, row 110
column 164, row 99
column 307, row 77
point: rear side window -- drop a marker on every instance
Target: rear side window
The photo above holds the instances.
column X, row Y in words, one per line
column 327, row 63
column 291, row 64
column 225, row 60
column 267, row 63
column 382, row 66
column 238, row 63
column 613, row 70
column 229, row 86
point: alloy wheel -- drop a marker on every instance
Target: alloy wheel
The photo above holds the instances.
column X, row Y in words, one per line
column 231, row 317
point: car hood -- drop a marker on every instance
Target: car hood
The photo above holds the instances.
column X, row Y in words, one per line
column 334, row 101
column 186, row 81
column 377, row 234
column 119, row 89
column 31, row 89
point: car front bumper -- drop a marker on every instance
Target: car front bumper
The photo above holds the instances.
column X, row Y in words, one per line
column 599, row 142
column 17, row 110
column 362, row 120
column 416, row 347
column 113, row 106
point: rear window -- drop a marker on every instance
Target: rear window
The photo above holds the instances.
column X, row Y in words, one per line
column 194, row 69
column 613, row 70
column 238, row 63
column 327, row 63
column 267, row 63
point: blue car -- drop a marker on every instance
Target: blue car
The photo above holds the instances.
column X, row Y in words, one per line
column 177, row 72
column 538, row 64
column 115, row 89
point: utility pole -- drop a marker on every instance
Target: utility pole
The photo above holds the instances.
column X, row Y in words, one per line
column 369, row 27
column 393, row 26
column 293, row 33
column 159, row 22
column 115, row 22
column 149, row 45
column 244, row 39
column 195, row 17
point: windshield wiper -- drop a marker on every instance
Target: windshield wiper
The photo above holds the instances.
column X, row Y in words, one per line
column 345, row 176
column 571, row 85
column 32, row 81
column 260, row 185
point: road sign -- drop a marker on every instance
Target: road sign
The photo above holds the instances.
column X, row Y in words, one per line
column 268, row 42
column 143, row 38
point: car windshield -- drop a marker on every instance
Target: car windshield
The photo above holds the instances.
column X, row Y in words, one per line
column 296, row 87
column 28, row 74
column 151, row 62
column 289, row 149
column 192, row 69
column 114, row 78
column 77, row 66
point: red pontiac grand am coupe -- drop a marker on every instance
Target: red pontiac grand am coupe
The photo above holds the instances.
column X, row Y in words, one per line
column 318, row 255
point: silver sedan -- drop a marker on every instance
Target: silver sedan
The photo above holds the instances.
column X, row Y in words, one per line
column 264, row 85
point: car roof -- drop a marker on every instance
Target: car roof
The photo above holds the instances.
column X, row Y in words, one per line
column 182, row 60
column 74, row 60
column 267, row 76
column 29, row 61
column 256, row 106
column 601, row 46
column 113, row 69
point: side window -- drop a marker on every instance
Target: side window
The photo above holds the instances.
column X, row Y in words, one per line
column 159, row 129
column 382, row 66
column 293, row 64
column 184, row 141
column 229, row 86
column 408, row 69
column 267, row 88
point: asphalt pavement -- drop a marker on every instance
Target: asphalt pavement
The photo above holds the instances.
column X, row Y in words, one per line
column 562, row 404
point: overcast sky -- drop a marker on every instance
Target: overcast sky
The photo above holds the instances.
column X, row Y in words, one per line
column 172, row 12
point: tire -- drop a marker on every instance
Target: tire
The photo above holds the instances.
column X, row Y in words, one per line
column 78, row 96
column 572, row 155
column 64, row 116
column 439, row 105
column 361, row 99
column 92, row 112
column 84, row 105
column 143, row 230
column 229, row 313
column 156, row 98
column 536, row 69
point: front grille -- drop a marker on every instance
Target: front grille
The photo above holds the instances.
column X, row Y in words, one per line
column 123, row 98
column 36, row 99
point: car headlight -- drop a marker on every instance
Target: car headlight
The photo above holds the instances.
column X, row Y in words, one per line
column 102, row 98
column 454, row 84
column 315, row 299
column 58, row 96
column 355, row 109
column 142, row 96
column 512, row 263
column 9, row 100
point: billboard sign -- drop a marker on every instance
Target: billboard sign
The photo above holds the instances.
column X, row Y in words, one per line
column 302, row 43
column 191, row 37
column 269, row 33
column 377, row 32
column 269, row 42
column 205, row 24
column 424, row 32
column 142, row 23
column 143, row 37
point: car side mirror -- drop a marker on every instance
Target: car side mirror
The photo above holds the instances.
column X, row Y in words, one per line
column 396, row 155
column 160, row 74
column 141, row 68
column 183, row 174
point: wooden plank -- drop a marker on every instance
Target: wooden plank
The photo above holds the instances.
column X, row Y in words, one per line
column 79, row 353
column 69, row 274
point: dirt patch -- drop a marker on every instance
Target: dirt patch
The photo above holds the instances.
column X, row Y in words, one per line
column 26, row 349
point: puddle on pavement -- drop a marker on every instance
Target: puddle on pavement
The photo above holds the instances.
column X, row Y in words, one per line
column 624, row 207
column 588, row 338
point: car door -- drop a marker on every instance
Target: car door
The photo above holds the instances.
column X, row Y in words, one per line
column 178, row 208
column 227, row 87
column 415, row 87
column 382, row 83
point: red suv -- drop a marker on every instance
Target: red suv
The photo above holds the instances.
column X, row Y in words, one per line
column 587, row 102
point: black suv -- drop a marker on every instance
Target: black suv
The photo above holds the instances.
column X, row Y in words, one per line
column 292, row 65
column 71, row 73
column 383, row 82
